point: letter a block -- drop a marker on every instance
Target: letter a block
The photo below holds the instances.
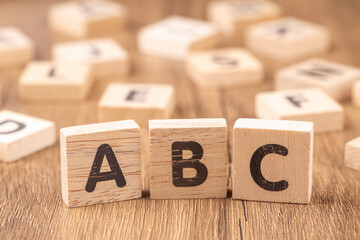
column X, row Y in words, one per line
column 100, row 163
column 272, row 160
column 21, row 135
column 188, row 158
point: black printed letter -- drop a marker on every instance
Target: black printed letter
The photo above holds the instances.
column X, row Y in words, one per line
column 255, row 167
column 178, row 164
column 95, row 174
column 19, row 127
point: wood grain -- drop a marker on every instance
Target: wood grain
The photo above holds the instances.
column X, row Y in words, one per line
column 30, row 189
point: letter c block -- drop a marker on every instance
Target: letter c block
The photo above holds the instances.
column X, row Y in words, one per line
column 188, row 158
column 272, row 160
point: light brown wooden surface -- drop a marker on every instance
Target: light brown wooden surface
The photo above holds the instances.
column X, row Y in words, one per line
column 30, row 189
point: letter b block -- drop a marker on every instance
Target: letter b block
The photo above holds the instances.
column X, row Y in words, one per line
column 272, row 160
column 188, row 158
column 100, row 163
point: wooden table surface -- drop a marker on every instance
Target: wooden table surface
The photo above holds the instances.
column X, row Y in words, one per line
column 30, row 191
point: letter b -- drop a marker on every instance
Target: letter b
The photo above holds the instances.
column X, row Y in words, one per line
column 179, row 163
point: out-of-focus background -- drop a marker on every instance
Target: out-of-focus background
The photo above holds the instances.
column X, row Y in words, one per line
column 30, row 190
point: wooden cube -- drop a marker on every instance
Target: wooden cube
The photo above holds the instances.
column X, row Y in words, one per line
column 100, row 163
column 140, row 102
column 22, row 135
column 90, row 18
column 352, row 154
column 175, row 36
column 188, row 158
column 104, row 55
column 233, row 17
column 355, row 93
column 15, row 47
column 224, row 68
column 272, row 160
column 335, row 79
column 287, row 39
column 312, row 105
column 45, row 80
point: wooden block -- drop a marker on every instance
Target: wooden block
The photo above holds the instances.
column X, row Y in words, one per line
column 335, row 79
column 272, row 160
column 22, row 135
column 90, row 18
column 312, row 105
column 233, row 17
column 15, row 47
column 355, row 93
column 224, row 68
column 188, row 158
column 45, row 80
column 104, row 55
column 140, row 102
column 175, row 36
column 287, row 39
column 100, row 163
column 352, row 154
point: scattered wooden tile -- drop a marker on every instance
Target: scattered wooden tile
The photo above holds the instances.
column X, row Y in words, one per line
column 140, row 102
column 335, row 79
column 355, row 93
column 223, row 68
column 86, row 177
column 352, row 154
column 104, row 55
column 22, row 135
column 188, row 158
column 45, row 80
column 233, row 17
column 272, row 160
column 287, row 39
column 15, row 48
column 175, row 36
column 90, row 18
column 312, row 105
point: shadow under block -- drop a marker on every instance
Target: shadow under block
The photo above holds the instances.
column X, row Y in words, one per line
column 90, row 18
column 233, row 17
column 273, row 160
column 104, row 55
column 174, row 37
column 287, row 40
column 22, row 135
column 334, row 78
column 228, row 67
column 15, row 47
column 188, row 158
column 352, row 154
column 100, row 163
column 312, row 105
column 140, row 102
column 45, row 80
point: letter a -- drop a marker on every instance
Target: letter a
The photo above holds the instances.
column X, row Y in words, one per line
column 97, row 176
